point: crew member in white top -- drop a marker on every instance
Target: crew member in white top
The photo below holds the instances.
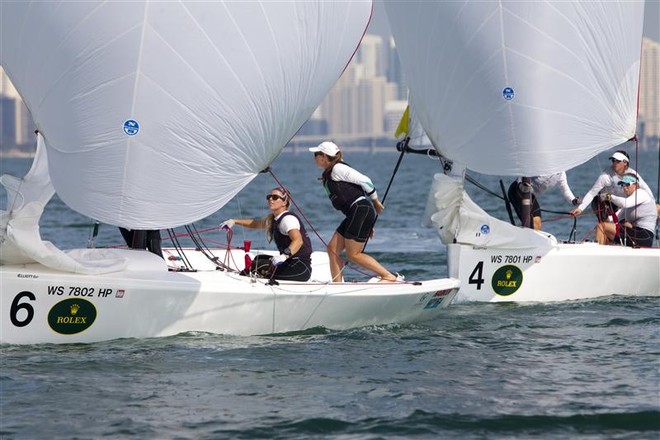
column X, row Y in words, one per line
column 607, row 183
column 637, row 215
column 352, row 193
column 539, row 185
column 295, row 260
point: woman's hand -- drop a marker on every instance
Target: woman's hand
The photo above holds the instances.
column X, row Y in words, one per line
column 227, row 224
column 378, row 206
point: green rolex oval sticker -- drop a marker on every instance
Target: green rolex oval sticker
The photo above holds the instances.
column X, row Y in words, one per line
column 507, row 280
column 71, row 316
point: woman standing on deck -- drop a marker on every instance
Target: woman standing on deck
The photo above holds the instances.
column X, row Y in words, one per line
column 352, row 193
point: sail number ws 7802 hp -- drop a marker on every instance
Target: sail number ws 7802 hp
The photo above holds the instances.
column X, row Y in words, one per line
column 79, row 291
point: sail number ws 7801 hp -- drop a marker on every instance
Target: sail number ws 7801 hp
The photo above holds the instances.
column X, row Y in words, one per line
column 511, row 259
column 503, row 270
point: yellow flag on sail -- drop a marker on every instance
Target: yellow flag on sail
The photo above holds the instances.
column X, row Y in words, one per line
column 403, row 124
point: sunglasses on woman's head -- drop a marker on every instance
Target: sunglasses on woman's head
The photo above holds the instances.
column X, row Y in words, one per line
column 274, row 197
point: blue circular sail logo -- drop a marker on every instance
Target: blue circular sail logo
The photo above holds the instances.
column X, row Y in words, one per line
column 131, row 127
column 485, row 229
column 508, row 93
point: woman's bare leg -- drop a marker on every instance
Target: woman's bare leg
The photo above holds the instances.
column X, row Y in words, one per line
column 355, row 254
column 335, row 248
column 605, row 232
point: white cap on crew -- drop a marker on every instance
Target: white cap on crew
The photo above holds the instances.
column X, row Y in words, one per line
column 329, row 148
column 619, row 156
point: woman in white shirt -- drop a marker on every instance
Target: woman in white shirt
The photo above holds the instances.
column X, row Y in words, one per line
column 294, row 263
column 352, row 193
column 637, row 216
column 607, row 183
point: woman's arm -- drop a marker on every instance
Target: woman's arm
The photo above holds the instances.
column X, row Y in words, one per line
column 250, row 223
column 296, row 241
column 601, row 183
column 565, row 189
column 635, row 199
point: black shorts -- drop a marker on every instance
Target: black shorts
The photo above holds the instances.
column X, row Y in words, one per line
column 294, row 269
column 634, row 236
column 359, row 222
column 516, row 196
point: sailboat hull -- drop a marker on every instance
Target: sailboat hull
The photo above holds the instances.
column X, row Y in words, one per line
column 562, row 272
column 40, row 305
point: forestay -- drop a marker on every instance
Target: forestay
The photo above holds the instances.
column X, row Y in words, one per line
column 521, row 88
column 155, row 114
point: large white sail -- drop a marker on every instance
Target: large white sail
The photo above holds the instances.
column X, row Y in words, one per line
column 155, row 114
column 521, row 87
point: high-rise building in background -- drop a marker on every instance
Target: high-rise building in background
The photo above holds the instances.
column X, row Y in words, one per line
column 7, row 122
column 394, row 71
column 649, row 97
column 355, row 107
column 16, row 125
column 370, row 56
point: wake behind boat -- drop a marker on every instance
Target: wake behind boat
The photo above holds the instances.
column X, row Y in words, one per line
column 205, row 93
column 523, row 89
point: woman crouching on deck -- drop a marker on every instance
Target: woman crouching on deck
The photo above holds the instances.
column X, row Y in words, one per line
column 637, row 216
column 295, row 260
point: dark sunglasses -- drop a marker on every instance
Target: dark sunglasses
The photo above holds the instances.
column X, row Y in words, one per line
column 616, row 161
column 274, row 197
column 317, row 154
column 625, row 184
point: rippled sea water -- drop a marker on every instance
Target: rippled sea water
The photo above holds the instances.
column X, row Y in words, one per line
column 576, row 369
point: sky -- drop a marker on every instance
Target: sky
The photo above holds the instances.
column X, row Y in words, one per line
column 380, row 26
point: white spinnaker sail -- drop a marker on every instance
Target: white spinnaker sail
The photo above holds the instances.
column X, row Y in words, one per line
column 521, row 87
column 215, row 90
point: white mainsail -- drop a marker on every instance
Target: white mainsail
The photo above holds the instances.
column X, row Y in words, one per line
column 155, row 114
column 521, row 88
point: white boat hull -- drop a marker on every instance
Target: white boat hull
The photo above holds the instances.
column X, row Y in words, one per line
column 561, row 272
column 40, row 305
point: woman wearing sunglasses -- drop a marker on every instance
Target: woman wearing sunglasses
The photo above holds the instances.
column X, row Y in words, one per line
column 295, row 260
column 352, row 193
column 607, row 183
column 637, row 216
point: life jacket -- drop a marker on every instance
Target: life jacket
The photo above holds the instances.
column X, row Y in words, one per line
column 342, row 194
column 283, row 241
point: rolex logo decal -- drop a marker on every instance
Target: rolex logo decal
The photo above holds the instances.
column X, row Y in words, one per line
column 507, row 280
column 71, row 316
